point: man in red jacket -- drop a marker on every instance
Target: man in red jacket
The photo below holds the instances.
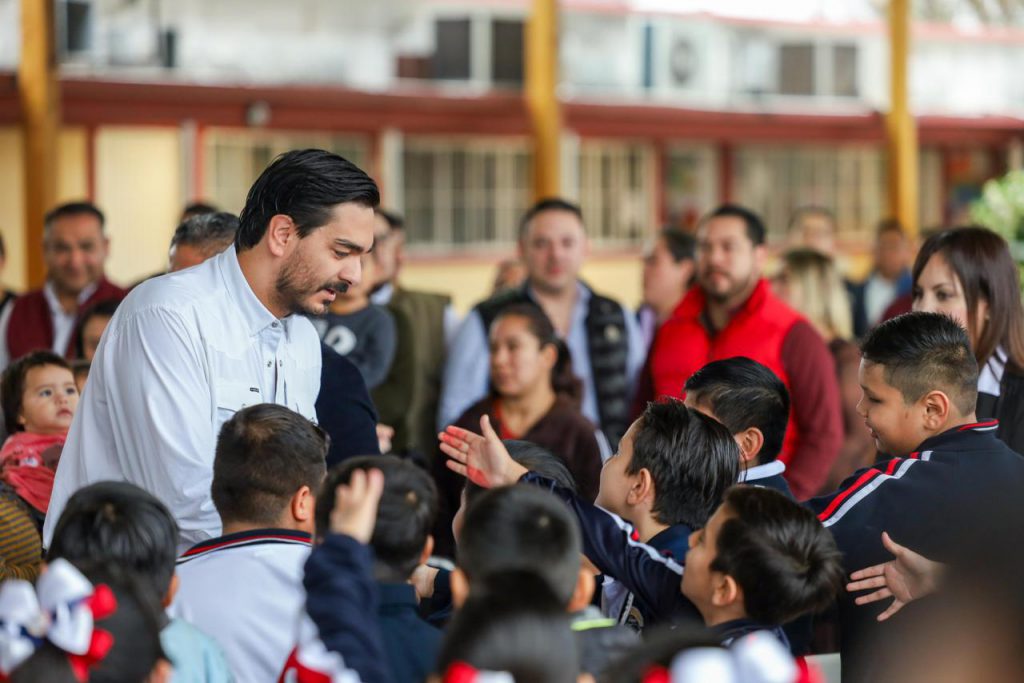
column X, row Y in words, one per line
column 732, row 312
column 75, row 247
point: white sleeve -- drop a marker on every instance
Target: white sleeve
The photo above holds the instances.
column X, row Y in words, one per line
column 451, row 324
column 147, row 418
column 5, row 321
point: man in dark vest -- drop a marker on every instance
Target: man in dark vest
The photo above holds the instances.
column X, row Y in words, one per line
column 432, row 322
column 603, row 338
column 75, row 247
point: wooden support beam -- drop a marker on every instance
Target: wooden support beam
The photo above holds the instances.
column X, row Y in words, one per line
column 40, row 110
column 541, row 97
column 900, row 126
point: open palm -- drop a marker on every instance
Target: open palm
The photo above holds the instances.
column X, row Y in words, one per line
column 483, row 460
column 905, row 578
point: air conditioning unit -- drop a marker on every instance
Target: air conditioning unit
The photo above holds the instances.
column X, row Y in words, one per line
column 679, row 57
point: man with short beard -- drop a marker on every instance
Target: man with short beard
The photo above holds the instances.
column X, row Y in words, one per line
column 732, row 312
column 185, row 351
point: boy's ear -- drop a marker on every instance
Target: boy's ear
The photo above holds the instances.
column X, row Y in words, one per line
column 460, row 587
column 750, row 441
column 172, row 590
column 936, row 408
column 303, row 505
column 583, row 592
column 642, row 488
column 428, row 550
column 725, row 591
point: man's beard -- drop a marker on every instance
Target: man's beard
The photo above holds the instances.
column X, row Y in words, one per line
column 735, row 288
column 296, row 283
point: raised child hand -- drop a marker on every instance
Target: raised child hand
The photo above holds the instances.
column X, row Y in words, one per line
column 355, row 505
column 483, row 460
column 907, row 577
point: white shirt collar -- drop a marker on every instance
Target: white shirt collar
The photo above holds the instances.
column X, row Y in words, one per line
column 53, row 301
column 256, row 315
column 382, row 297
column 769, row 469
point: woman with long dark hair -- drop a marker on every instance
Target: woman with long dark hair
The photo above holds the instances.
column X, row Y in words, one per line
column 969, row 274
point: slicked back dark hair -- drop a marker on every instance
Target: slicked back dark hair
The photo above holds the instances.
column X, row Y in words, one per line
column 548, row 204
column 119, row 523
column 692, row 459
column 405, row 516
column 305, row 185
column 521, row 528
column 265, row 454
column 72, row 209
column 512, row 623
column 752, row 222
column 742, row 394
column 534, row 458
column 778, row 552
column 921, row 352
column 12, row 383
column 681, row 245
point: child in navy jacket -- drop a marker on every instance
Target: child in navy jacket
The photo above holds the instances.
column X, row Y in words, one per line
column 761, row 561
column 919, row 380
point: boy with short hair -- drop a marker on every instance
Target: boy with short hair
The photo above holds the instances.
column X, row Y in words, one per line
column 401, row 541
column 919, row 380
column 119, row 524
column 667, row 477
column 753, row 403
column 526, row 529
column 762, row 560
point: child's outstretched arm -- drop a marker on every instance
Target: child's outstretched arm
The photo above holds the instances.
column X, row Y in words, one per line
column 652, row 578
column 341, row 594
column 907, row 577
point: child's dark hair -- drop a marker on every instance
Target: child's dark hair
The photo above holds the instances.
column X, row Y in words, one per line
column 534, row 458
column 265, row 453
column 12, row 384
column 118, row 522
column 922, row 352
column 692, row 459
column 564, row 381
column 777, row 551
column 405, row 516
column 658, row 648
column 521, row 528
column 742, row 394
column 513, row 623
column 135, row 626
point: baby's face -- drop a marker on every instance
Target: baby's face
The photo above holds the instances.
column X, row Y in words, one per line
column 50, row 399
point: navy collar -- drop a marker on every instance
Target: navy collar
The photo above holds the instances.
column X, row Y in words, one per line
column 672, row 542
column 247, row 538
column 951, row 438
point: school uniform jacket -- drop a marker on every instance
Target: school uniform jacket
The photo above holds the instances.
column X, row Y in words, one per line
column 925, row 501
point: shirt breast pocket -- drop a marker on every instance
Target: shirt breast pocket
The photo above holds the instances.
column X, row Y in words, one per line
column 232, row 397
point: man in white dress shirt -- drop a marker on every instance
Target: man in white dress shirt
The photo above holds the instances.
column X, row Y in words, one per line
column 185, row 351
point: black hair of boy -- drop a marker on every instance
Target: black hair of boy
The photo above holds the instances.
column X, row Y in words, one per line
column 513, row 623
column 103, row 309
column 265, row 453
column 521, row 528
column 119, row 523
column 921, row 352
column 12, row 384
column 658, row 648
column 692, row 459
column 135, row 626
column 534, row 458
column 405, row 515
column 778, row 552
column 743, row 393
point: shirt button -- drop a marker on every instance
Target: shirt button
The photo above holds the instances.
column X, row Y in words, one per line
column 269, row 363
column 280, row 363
column 274, row 324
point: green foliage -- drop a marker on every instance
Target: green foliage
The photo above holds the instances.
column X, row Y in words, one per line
column 1001, row 209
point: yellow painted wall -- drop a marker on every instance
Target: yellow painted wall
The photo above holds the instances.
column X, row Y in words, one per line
column 470, row 281
column 138, row 185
